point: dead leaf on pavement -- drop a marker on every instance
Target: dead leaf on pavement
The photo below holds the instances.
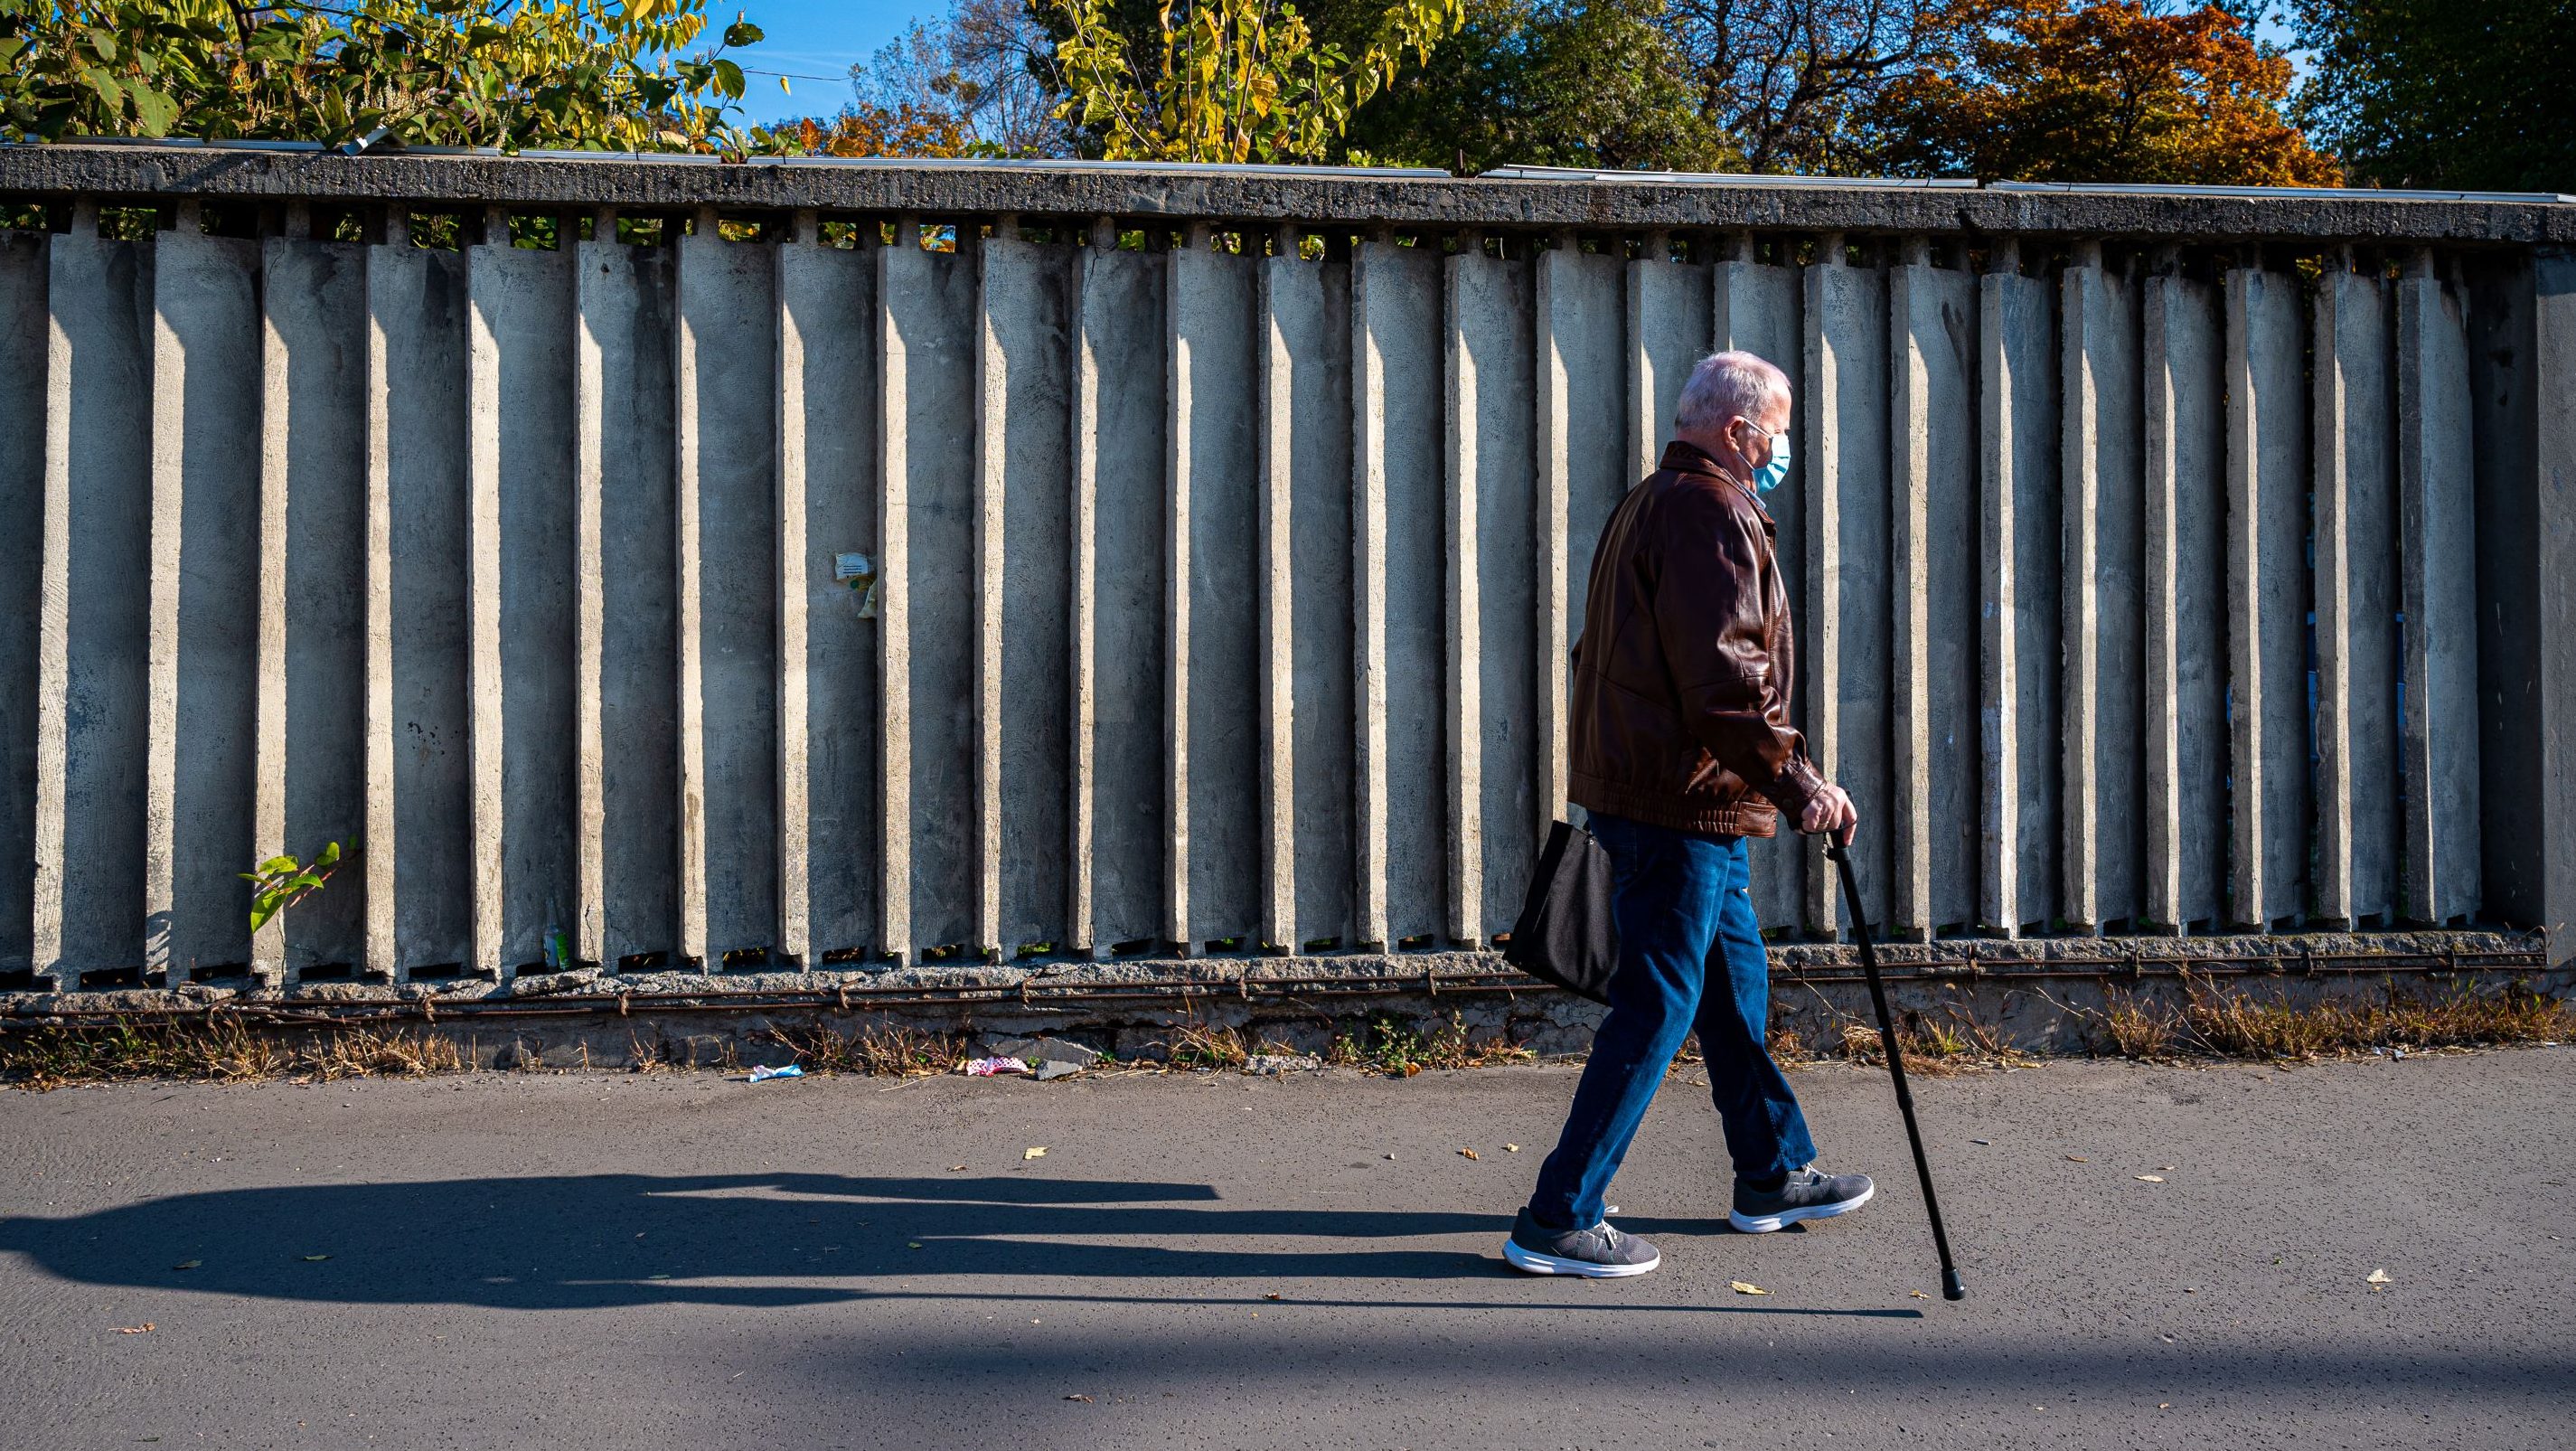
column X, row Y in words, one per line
column 1741, row 1288
column 1511, row 1148
column 1467, row 1154
column 1038, row 1153
column 145, row 1328
column 2151, row 1178
column 2077, row 1159
column 187, row 1264
column 1273, row 1295
column 2378, row 1277
column 313, row 1259
column 1086, row 1400
column 956, row 1168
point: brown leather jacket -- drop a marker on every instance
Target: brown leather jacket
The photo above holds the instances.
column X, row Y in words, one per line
column 1680, row 711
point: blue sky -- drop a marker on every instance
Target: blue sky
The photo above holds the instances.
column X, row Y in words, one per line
column 813, row 38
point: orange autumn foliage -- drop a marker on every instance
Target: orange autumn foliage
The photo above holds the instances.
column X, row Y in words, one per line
column 2098, row 90
column 866, row 130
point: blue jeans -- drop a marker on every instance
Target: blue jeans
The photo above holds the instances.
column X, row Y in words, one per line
column 1684, row 909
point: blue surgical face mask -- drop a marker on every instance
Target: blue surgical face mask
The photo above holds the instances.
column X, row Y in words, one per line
column 1768, row 477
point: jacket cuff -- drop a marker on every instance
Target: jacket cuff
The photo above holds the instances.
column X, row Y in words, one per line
column 1791, row 790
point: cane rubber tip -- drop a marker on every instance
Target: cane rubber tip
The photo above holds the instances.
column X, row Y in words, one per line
column 1951, row 1289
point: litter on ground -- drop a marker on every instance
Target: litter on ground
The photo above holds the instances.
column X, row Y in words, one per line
column 764, row 1074
column 995, row 1067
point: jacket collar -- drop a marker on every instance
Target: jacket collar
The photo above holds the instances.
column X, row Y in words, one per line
column 1690, row 458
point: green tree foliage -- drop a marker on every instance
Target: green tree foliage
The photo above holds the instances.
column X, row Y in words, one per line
column 1684, row 85
column 2444, row 93
column 1547, row 83
column 573, row 74
column 1231, row 80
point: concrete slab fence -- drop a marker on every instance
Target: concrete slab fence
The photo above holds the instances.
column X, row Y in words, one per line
column 823, row 567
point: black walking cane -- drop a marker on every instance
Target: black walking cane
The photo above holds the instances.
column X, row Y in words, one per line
column 1951, row 1289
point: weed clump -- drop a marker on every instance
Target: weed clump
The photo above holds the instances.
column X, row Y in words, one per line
column 1384, row 1043
column 1953, row 1042
column 1202, row 1045
column 881, row 1049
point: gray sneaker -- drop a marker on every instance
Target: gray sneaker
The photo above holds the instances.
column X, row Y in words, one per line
column 1806, row 1194
column 1598, row 1253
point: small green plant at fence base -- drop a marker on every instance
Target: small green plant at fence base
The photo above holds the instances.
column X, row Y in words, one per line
column 282, row 881
column 1385, row 1043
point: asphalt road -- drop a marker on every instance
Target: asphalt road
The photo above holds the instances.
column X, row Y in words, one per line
column 594, row 1261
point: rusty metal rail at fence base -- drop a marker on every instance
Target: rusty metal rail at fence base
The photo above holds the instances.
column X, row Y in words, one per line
column 846, row 998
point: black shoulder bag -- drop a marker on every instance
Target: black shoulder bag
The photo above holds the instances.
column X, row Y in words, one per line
column 1565, row 934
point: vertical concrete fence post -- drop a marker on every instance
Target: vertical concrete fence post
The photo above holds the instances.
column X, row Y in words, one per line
column 2522, row 346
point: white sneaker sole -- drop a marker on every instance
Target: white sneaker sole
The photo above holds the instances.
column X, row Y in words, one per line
column 1532, row 1262
column 1765, row 1223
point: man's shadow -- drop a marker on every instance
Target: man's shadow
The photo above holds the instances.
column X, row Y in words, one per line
column 598, row 1240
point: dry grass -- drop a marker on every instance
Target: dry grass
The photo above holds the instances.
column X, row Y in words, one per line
column 1200, row 1045
column 2137, row 1029
column 883, row 1049
column 2209, row 1022
column 1954, row 1041
column 366, row 1053
column 644, row 1058
column 2217, row 1024
column 217, row 1049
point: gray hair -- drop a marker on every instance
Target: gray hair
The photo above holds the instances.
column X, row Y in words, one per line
column 1728, row 385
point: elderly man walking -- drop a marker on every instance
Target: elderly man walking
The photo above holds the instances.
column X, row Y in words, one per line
column 1682, row 749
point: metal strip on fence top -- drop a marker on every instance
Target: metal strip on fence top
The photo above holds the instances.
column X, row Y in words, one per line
column 2340, row 193
column 1723, row 178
